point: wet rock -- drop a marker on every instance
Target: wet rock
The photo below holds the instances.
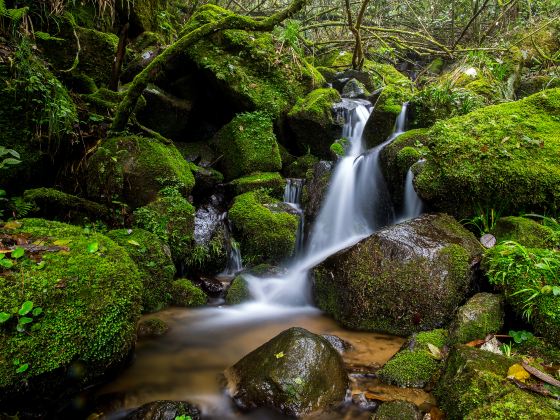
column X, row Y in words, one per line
column 354, row 89
column 363, row 77
column 338, row 343
column 165, row 410
column 315, row 189
column 153, row 327
column 296, row 372
column 481, row 315
column 212, row 287
column 364, row 403
column 405, row 278
column 397, row 410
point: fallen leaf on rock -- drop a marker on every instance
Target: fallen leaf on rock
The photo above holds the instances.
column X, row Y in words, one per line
column 517, row 371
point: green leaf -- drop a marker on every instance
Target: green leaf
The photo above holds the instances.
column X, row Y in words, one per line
column 6, row 263
column 25, row 320
column 133, row 242
column 41, row 265
column 93, row 247
column 37, row 311
column 2, row 256
column 4, row 316
column 18, row 253
column 22, row 368
column 556, row 290
column 26, row 307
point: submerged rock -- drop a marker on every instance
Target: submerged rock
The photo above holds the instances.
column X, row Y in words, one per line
column 165, row 410
column 153, row 327
column 404, row 278
column 481, row 315
column 296, row 372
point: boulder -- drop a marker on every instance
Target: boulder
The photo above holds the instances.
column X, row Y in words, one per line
column 248, row 144
column 153, row 258
column 354, row 89
column 77, row 315
column 314, row 122
column 150, row 328
column 272, row 181
column 526, row 232
column 134, row 169
column 404, row 278
column 238, row 291
column 186, row 294
column 165, row 410
column 481, row 315
column 266, row 227
column 315, row 189
column 296, row 372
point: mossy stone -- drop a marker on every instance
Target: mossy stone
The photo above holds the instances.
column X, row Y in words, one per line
column 238, row 291
column 481, row 315
column 186, row 294
column 90, row 300
column 153, row 258
column 133, row 169
column 526, row 232
column 271, row 181
column 153, row 327
column 397, row 410
column 265, row 226
column 402, row 279
column 248, row 145
column 299, row 167
column 165, row 410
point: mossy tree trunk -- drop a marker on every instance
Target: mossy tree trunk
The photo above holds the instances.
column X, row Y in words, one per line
column 159, row 65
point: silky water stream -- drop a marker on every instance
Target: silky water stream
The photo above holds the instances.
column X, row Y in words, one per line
column 187, row 363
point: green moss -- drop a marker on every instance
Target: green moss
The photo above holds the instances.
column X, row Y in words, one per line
column 200, row 152
column 153, row 258
column 133, row 169
column 338, row 148
column 266, row 229
column 299, row 168
column 238, row 292
column 481, row 315
column 502, row 156
column 525, row 231
column 57, row 205
column 104, row 100
column 248, row 145
column 208, row 258
column 153, row 327
column 317, row 106
column 539, row 348
column 171, row 219
column 271, row 181
column 90, row 301
column 396, row 410
column 185, row 293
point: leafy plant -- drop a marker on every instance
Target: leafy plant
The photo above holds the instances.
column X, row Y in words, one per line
column 520, row 336
column 484, row 221
column 8, row 161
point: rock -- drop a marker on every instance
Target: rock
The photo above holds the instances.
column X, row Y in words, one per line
column 153, row 258
column 165, row 113
column 140, row 62
column 296, row 372
column 171, row 219
column 475, row 386
column 53, row 204
column 153, row 327
column 354, row 89
column 89, row 290
column 266, row 227
column 299, row 167
column 481, row 315
column 314, row 123
column 402, row 279
column 134, row 169
column 338, row 343
column 211, row 287
column 271, row 181
column 184, row 293
column 143, row 15
column 397, row 410
column 362, row 77
column 315, row 189
column 526, row 232
column 470, row 159
column 416, row 365
column 248, row 145
column 165, row 410
column 209, row 255
column 238, row 291
column 364, row 403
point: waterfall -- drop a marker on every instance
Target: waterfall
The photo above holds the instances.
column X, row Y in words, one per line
column 412, row 203
column 292, row 196
column 233, row 265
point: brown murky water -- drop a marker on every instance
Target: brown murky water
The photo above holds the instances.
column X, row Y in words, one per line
column 187, row 363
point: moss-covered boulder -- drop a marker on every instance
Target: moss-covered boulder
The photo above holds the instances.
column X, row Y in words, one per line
column 529, row 279
column 186, row 294
column 525, row 231
column 153, row 327
column 402, row 279
column 238, row 291
column 415, row 365
column 397, row 410
column 481, row 315
column 299, row 167
column 502, row 157
column 53, row 204
column 248, row 145
column 314, row 122
column 271, row 181
column 171, row 219
column 317, row 181
column 296, row 372
column 144, row 15
column 89, row 293
column 266, row 227
column 165, row 410
column 153, row 258
column 134, row 169
column 248, row 68
column 475, row 386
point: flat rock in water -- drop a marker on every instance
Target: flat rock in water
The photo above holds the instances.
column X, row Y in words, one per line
column 165, row 410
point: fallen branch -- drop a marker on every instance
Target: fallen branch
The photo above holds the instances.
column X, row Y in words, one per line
column 545, row 377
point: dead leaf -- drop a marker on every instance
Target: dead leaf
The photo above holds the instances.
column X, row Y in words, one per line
column 517, row 371
column 14, row 224
column 436, row 353
column 476, row 343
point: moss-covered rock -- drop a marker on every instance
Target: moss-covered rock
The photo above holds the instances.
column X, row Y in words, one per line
column 299, row 167
column 143, row 15
column 525, row 231
column 185, row 293
column 415, row 365
column 171, row 219
column 153, row 327
column 296, row 372
column 481, row 315
column 314, row 122
column 474, row 386
column 317, row 181
column 153, row 258
column 248, row 68
column 238, row 291
column 53, row 204
column 271, row 181
column 134, row 169
column 502, row 157
column 248, row 145
column 397, row 410
column 265, row 226
column 165, row 410
column 89, row 290
column 405, row 278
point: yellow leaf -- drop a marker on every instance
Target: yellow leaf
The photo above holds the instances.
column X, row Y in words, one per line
column 14, row 224
column 279, row 355
column 62, row 242
column 517, row 372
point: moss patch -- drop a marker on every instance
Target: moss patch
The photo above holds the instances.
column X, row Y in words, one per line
column 238, row 291
column 185, row 293
column 271, row 181
column 525, row 231
column 396, row 410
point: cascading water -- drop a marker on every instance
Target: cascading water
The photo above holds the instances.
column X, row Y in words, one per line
column 412, row 203
column 233, row 265
column 292, row 196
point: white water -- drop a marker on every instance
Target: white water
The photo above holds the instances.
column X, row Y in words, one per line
column 233, row 265
column 292, row 196
column 412, row 203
